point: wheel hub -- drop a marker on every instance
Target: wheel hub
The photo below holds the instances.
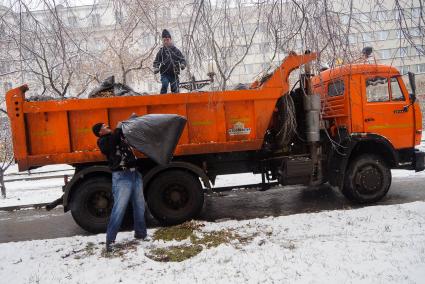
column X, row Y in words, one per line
column 175, row 196
column 100, row 205
column 369, row 179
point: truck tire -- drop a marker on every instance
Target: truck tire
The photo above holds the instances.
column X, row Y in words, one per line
column 367, row 179
column 175, row 196
column 91, row 204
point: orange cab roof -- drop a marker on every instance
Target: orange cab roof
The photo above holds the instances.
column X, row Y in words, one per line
column 332, row 73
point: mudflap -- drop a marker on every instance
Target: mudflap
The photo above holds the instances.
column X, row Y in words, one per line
column 55, row 203
column 419, row 161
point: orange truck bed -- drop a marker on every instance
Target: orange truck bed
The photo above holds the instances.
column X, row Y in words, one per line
column 59, row 132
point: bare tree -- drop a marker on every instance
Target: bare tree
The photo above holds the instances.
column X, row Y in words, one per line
column 6, row 151
column 224, row 33
column 132, row 41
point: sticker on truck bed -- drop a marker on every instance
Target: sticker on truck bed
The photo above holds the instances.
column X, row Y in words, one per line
column 239, row 129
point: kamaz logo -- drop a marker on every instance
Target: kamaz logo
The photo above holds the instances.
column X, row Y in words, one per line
column 239, row 129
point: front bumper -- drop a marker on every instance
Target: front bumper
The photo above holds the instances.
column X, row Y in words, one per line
column 419, row 162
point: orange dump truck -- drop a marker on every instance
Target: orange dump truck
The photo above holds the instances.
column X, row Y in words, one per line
column 347, row 126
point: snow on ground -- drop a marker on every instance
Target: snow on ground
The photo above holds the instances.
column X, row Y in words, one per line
column 34, row 191
column 377, row 244
column 13, row 170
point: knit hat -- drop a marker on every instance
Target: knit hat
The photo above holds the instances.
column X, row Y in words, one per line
column 166, row 33
column 96, row 128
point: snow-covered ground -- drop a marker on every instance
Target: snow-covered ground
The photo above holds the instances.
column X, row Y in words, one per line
column 34, row 191
column 377, row 244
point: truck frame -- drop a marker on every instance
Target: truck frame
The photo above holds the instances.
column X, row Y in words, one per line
column 338, row 137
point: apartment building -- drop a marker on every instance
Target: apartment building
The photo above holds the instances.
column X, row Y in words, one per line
column 378, row 27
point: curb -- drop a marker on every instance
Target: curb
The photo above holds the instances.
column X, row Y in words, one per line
column 19, row 207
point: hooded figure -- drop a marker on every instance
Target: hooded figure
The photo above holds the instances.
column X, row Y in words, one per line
column 168, row 62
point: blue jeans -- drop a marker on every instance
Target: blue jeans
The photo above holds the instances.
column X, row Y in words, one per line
column 173, row 80
column 127, row 185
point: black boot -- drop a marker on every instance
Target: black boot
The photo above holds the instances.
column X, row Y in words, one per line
column 109, row 246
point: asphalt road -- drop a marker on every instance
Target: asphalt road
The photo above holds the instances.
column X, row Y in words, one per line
column 242, row 204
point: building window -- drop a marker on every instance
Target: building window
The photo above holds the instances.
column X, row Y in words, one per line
column 166, row 12
column 382, row 35
column 95, row 20
column 414, row 32
column 419, row 50
column 384, row 53
column 416, row 12
column 363, row 17
column 344, row 19
column 249, row 68
column 118, row 16
column 402, row 52
column 382, row 15
column 367, row 37
column 377, row 90
column 404, row 69
column 4, row 67
column 72, row 21
column 352, row 39
column 420, row 68
column 7, row 86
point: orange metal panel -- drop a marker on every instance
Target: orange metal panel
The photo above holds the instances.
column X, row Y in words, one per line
column 47, row 133
column 263, row 113
column 80, row 124
column 119, row 114
column 240, row 121
column 202, row 123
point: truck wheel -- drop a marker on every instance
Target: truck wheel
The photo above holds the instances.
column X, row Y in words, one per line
column 92, row 204
column 174, row 197
column 367, row 179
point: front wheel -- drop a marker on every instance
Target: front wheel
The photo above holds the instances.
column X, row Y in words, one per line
column 92, row 204
column 367, row 179
column 175, row 196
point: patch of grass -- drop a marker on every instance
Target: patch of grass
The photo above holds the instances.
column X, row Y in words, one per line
column 178, row 233
column 174, row 253
column 214, row 239
column 120, row 249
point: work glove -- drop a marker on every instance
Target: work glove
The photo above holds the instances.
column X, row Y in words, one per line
column 155, row 70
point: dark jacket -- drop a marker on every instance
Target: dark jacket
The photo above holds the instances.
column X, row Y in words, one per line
column 116, row 150
column 169, row 60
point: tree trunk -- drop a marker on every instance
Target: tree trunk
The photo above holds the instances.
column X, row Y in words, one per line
column 2, row 186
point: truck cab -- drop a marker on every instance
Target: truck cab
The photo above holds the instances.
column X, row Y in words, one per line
column 368, row 112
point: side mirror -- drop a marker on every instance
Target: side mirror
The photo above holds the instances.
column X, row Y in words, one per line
column 412, row 82
column 413, row 86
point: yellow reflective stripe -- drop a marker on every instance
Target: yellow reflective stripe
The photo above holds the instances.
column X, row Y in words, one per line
column 388, row 126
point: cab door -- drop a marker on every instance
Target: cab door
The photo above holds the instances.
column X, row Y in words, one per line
column 385, row 112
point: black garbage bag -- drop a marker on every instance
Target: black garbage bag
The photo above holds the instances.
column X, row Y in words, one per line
column 109, row 88
column 155, row 135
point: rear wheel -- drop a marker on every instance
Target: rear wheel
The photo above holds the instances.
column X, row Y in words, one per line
column 92, row 204
column 367, row 179
column 175, row 196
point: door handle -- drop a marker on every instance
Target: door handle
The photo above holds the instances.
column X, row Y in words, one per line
column 403, row 110
column 369, row 119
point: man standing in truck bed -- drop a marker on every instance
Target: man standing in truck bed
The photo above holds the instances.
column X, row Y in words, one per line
column 126, row 182
column 168, row 61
